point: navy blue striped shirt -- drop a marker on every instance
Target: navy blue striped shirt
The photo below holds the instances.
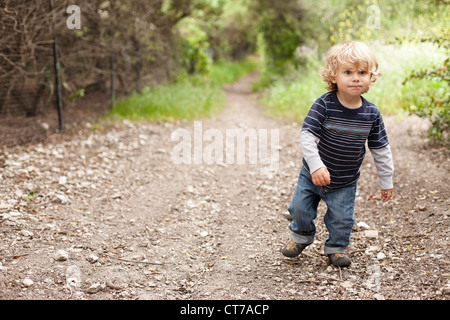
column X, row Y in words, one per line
column 342, row 134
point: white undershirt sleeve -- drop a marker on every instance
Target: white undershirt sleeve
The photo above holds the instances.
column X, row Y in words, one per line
column 385, row 166
column 310, row 151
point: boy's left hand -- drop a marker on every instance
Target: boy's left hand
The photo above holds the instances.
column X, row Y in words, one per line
column 386, row 194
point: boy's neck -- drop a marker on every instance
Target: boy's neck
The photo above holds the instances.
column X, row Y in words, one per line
column 350, row 102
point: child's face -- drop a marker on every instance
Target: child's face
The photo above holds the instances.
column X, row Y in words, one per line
column 352, row 80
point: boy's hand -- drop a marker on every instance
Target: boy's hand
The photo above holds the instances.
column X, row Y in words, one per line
column 321, row 177
column 386, row 194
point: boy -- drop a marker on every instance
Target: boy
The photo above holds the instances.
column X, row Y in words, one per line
column 333, row 138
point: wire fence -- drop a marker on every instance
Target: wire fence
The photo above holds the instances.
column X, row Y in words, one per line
column 62, row 63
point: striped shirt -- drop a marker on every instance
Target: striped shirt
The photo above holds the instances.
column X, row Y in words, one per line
column 342, row 134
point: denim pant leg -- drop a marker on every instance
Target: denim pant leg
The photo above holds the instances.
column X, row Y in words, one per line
column 303, row 209
column 339, row 217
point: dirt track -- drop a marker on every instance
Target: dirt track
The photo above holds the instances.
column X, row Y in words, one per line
column 138, row 226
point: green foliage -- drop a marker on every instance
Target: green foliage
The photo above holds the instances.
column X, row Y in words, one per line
column 420, row 21
column 236, row 36
column 427, row 95
column 290, row 37
column 197, row 35
column 397, row 61
column 425, row 89
column 279, row 34
column 292, row 99
column 278, row 40
column 194, row 47
column 224, row 71
column 411, row 45
column 182, row 100
column 352, row 25
column 292, row 96
column 76, row 93
column 191, row 96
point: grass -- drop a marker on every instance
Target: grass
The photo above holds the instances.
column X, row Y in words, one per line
column 397, row 62
column 292, row 99
column 188, row 98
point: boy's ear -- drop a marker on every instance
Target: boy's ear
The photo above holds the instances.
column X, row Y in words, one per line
column 333, row 80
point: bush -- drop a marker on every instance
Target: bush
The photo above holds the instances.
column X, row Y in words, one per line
column 427, row 95
column 190, row 97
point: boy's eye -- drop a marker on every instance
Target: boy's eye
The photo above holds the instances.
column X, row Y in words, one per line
column 363, row 72
column 347, row 72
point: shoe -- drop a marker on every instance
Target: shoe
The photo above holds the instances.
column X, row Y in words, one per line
column 339, row 260
column 293, row 249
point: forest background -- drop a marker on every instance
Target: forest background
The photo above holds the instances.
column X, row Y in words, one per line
column 217, row 41
column 169, row 59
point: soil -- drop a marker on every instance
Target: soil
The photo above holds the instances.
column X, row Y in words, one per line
column 105, row 213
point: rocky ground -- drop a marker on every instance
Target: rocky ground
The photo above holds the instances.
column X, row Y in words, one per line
column 107, row 214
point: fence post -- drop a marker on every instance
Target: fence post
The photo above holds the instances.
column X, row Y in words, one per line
column 112, row 71
column 138, row 66
column 57, row 74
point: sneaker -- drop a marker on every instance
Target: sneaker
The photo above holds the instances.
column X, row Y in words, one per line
column 293, row 249
column 339, row 260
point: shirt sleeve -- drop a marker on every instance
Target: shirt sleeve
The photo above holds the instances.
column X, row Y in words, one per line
column 382, row 158
column 378, row 144
column 378, row 136
column 310, row 151
column 311, row 133
column 315, row 118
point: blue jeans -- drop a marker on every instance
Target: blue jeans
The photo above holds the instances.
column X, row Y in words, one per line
column 338, row 219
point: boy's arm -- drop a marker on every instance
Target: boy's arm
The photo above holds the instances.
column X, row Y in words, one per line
column 310, row 151
column 385, row 166
column 379, row 146
column 310, row 136
column 319, row 172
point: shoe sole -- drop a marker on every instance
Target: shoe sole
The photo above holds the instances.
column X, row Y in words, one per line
column 340, row 263
column 291, row 255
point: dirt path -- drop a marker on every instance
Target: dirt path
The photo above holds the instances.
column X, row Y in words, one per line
column 137, row 226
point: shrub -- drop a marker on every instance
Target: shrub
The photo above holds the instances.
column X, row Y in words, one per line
column 428, row 96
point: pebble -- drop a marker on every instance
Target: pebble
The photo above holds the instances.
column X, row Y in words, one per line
column 2, row 268
column 63, row 199
column 371, row 234
column 27, row 282
column 363, row 225
column 94, row 288
column 27, row 233
column 61, row 255
column 381, row 256
column 287, row 216
column 446, row 288
column 204, row 233
column 62, row 180
column 346, row 284
column 378, row 296
column 92, row 258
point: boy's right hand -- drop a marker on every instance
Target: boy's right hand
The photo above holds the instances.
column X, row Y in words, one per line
column 321, row 177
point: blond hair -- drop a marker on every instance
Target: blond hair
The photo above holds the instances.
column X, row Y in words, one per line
column 348, row 53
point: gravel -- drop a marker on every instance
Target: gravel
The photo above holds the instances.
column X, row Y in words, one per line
column 106, row 214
